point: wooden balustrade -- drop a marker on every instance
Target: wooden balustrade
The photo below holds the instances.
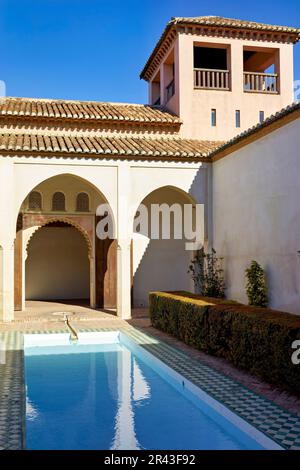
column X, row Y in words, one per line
column 211, row 79
column 261, row 82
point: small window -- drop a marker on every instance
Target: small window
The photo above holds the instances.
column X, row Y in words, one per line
column 58, row 202
column 35, row 201
column 82, row 202
column 261, row 116
column 213, row 117
column 238, row 118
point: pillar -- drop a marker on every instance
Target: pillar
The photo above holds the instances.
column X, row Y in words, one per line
column 7, row 236
column 7, row 282
column 92, row 282
column 19, row 272
column 124, row 232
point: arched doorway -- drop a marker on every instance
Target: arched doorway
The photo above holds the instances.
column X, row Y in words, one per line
column 57, row 265
column 57, row 252
column 162, row 263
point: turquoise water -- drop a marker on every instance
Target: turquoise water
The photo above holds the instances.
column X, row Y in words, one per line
column 105, row 396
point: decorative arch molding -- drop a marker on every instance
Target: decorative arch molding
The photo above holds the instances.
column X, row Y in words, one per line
column 40, row 174
column 67, row 221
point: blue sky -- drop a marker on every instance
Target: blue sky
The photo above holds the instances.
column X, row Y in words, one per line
column 95, row 49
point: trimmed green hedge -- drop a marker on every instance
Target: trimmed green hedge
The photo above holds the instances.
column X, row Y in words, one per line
column 252, row 338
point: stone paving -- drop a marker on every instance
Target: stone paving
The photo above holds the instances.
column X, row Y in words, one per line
column 257, row 403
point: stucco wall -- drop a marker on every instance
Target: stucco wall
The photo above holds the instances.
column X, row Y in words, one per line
column 57, row 266
column 195, row 105
column 256, row 214
column 160, row 264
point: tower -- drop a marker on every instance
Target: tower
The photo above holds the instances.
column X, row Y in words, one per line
column 219, row 75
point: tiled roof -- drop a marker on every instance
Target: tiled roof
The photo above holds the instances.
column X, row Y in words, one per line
column 120, row 147
column 273, row 119
column 85, row 110
column 235, row 23
column 218, row 21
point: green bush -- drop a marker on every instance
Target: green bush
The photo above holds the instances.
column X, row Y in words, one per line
column 207, row 274
column 256, row 339
column 256, row 286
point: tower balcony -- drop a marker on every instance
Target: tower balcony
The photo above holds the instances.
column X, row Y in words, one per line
column 256, row 82
column 211, row 79
column 261, row 82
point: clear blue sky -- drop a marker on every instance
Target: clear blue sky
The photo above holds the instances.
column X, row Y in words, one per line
column 95, row 49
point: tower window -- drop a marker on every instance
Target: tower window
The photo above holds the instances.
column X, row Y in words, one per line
column 82, row 202
column 261, row 116
column 238, row 118
column 210, row 58
column 213, row 117
column 58, row 201
column 35, row 201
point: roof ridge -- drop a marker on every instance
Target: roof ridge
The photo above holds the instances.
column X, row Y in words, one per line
column 47, row 100
column 238, row 20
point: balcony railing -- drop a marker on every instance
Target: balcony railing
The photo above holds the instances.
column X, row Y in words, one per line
column 211, row 79
column 170, row 90
column 261, row 82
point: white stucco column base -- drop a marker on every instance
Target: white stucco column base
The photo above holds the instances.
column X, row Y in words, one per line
column 7, row 283
column 124, row 280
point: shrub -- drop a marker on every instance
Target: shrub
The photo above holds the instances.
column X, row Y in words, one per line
column 252, row 338
column 256, row 286
column 207, row 274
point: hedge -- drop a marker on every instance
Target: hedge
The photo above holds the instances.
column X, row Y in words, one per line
column 252, row 338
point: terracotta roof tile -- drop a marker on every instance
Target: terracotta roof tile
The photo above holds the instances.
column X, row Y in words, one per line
column 165, row 147
column 235, row 23
column 85, row 110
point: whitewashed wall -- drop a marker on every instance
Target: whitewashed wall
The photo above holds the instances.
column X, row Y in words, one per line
column 124, row 185
column 256, row 214
column 57, row 265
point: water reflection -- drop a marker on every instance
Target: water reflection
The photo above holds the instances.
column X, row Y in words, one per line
column 32, row 413
column 132, row 388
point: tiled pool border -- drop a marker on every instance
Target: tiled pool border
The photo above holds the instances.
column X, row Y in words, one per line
column 278, row 424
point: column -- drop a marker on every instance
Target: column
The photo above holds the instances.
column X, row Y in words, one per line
column 92, row 282
column 7, row 282
column 7, row 236
column 18, row 271
column 124, row 231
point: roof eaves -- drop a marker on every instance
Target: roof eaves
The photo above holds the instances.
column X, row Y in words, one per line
column 169, row 26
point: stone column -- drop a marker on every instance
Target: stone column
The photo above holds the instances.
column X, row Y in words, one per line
column 124, row 231
column 7, row 282
column 7, row 236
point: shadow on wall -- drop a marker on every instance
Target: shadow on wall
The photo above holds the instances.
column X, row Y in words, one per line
column 57, row 266
column 160, row 264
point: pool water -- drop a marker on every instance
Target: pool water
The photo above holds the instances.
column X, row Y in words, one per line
column 107, row 394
